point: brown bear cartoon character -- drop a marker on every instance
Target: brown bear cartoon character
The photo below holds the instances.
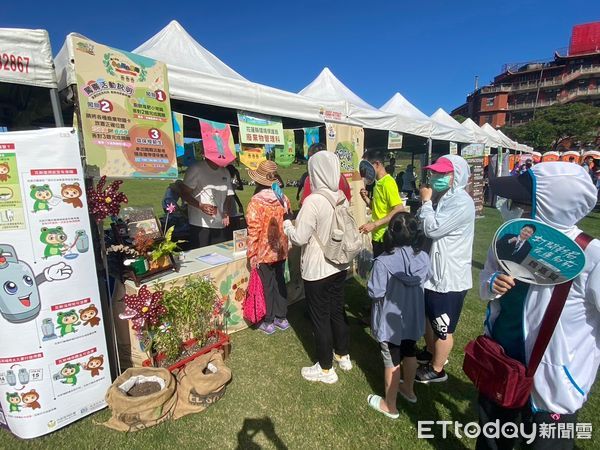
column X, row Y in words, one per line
column 30, row 399
column 4, row 170
column 71, row 194
column 89, row 316
column 94, row 365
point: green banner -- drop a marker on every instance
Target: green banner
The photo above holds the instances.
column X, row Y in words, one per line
column 260, row 129
column 286, row 155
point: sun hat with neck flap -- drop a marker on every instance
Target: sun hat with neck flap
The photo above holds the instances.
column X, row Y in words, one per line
column 265, row 174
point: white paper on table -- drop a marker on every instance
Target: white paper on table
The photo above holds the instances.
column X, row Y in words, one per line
column 214, row 259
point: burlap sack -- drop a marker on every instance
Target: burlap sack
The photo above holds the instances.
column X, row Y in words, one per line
column 137, row 413
column 198, row 387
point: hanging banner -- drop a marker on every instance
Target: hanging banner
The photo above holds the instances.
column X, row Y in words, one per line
column 260, row 129
column 473, row 154
column 217, row 141
column 347, row 143
column 53, row 357
column 311, row 136
column 178, row 134
column 286, row 155
column 125, row 113
column 453, row 148
column 252, row 156
column 394, row 140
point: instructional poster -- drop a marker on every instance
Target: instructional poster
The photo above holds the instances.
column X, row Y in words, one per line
column 473, row 154
column 347, row 143
column 53, row 356
column 125, row 112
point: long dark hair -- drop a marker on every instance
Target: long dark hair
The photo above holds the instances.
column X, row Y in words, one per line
column 403, row 230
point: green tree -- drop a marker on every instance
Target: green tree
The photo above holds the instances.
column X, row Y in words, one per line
column 459, row 118
column 578, row 122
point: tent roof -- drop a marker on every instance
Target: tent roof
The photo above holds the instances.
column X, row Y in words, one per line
column 173, row 45
column 34, row 45
column 497, row 137
column 481, row 135
column 453, row 128
column 328, row 87
column 443, row 117
column 511, row 144
column 399, row 105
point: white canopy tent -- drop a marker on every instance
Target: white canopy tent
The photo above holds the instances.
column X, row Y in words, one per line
column 481, row 136
column 197, row 76
column 428, row 126
column 399, row 104
column 33, row 64
column 327, row 87
column 511, row 144
column 460, row 133
column 412, row 119
column 500, row 140
column 174, row 45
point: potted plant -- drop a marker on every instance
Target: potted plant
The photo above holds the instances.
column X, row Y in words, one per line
column 142, row 243
column 180, row 321
column 126, row 256
column 164, row 250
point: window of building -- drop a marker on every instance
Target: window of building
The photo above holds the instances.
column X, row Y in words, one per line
column 490, row 101
column 486, row 119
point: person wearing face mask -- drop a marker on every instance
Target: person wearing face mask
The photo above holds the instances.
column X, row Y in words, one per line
column 451, row 227
column 558, row 194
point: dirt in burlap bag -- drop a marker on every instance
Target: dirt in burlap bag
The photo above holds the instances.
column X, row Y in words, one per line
column 137, row 413
column 201, row 383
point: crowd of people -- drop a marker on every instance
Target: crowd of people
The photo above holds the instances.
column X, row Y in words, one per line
column 421, row 273
column 590, row 165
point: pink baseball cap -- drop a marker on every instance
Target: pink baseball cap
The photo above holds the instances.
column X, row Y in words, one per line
column 442, row 165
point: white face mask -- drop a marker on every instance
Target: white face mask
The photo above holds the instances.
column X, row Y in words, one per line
column 507, row 213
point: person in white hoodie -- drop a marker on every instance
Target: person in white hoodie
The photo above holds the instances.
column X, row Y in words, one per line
column 451, row 227
column 323, row 281
column 558, row 194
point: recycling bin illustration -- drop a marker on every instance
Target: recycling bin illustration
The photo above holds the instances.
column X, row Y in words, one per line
column 82, row 242
column 11, row 378
column 23, row 376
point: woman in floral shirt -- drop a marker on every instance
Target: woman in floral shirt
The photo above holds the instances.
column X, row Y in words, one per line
column 267, row 244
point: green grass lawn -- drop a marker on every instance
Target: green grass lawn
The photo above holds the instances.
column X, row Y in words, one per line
column 269, row 405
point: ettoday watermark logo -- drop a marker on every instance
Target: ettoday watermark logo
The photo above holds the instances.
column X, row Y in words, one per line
column 429, row 429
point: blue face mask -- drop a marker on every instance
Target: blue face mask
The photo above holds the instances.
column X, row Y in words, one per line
column 441, row 184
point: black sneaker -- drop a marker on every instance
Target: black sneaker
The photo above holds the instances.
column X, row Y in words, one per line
column 426, row 375
column 424, row 357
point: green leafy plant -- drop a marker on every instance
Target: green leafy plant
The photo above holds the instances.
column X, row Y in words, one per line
column 166, row 247
column 189, row 315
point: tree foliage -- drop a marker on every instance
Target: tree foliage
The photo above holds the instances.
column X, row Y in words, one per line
column 578, row 122
column 459, row 118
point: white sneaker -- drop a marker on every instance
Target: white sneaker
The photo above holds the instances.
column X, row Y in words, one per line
column 315, row 373
column 343, row 361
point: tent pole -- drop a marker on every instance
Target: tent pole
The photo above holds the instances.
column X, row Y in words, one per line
column 429, row 150
column 54, row 100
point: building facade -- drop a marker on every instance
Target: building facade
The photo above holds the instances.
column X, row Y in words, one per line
column 521, row 89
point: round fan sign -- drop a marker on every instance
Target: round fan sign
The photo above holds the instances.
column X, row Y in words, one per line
column 535, row 253
column 367, row 172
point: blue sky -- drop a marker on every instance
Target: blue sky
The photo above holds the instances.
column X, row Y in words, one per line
column 430, row 51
